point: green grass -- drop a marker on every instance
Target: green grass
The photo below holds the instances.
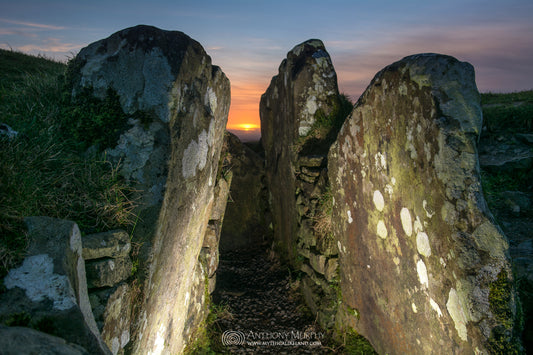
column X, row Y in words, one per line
column 44, row 170
column 508, row 98
column 503, row 115
column 326, row 127
column 511, row 112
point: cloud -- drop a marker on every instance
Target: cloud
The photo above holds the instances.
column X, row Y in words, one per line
column 500, row 53
column 32, row 24
column 52, row 47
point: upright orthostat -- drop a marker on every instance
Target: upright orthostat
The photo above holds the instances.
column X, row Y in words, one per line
column 423, row 267
column 179, row 105
column 304, row 90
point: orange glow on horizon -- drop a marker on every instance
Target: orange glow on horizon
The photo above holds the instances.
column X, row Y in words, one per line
column 245, row 127
column 244, row 110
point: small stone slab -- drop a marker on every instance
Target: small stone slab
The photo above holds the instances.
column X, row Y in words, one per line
column 312, row 161
column 107, row 272
column 111, row 244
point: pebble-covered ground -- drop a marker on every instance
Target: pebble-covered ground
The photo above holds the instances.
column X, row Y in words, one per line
column 259, row 309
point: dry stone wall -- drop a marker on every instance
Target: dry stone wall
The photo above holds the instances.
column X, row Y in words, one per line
column 304, row 92
column 423, row 267
column 178, row 103
column 305, row 87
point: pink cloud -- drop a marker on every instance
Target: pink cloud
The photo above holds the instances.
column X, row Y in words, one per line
column 32, row 24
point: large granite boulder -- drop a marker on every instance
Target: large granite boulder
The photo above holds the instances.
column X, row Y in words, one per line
column 424, row 269
column 178, row 103
column 304, row 90
column 49, row 291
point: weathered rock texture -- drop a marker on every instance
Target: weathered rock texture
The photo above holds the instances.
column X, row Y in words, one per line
column 423, row 267
column 171, row 154
column 108, row 263
column 304, row 89
column 20, row 340
column 247, row 214
column 49, row 290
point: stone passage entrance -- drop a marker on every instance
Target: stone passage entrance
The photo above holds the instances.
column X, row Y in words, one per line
column 259, row 309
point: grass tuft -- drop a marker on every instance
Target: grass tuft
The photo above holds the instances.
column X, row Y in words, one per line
column 326, row 127
column 44, row 170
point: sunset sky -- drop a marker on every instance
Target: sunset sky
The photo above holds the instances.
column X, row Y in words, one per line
column 249, row 39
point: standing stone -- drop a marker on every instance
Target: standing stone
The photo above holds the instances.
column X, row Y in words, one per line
column 304, row 89
column 423, row 267
column 171, row 155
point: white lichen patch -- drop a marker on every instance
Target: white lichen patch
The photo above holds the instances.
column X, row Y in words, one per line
column 429, row 212
column 457, row 313
column 407, row 223
column 195, row 156
column 133, row 150
column 75, row 240
column 435, row 307
column 380, row 161
column 349, row 213
column 422, row 273
column 36, row 277
column 417, row 225
column 396, row 260
column 212, row 99
column 115, row 345
column 381, row 229
column 379, row 202
column 159, row 343
column 413, row 306
column 422, row 244
column 311, row 105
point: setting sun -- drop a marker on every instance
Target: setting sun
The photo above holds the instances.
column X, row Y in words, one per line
column 246, row 126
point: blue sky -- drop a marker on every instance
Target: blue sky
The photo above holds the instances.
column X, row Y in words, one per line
column 249, row 39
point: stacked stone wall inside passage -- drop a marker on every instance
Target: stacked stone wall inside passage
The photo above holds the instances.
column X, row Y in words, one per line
column 295, row 114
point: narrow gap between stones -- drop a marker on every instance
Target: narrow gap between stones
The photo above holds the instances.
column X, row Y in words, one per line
column 258, row 307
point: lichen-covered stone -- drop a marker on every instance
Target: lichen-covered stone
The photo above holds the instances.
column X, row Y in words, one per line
column 178, row 104
column 50, row 287
column 305, row 87
column 117, row 318
column 107, row 272
column 418, row 251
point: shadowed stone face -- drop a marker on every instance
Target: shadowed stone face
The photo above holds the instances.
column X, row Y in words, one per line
column 419, row 252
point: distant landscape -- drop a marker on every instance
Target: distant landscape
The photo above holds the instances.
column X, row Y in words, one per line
column 247, row 135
